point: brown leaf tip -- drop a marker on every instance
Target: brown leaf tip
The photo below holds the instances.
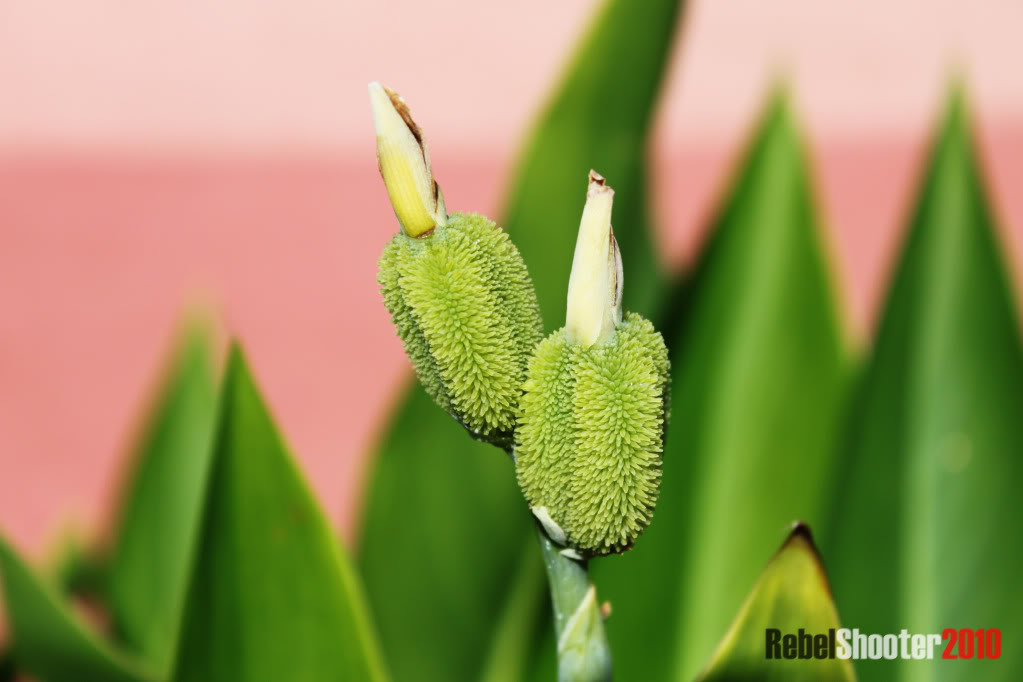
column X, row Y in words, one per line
column 801, row 529
column 800, row 532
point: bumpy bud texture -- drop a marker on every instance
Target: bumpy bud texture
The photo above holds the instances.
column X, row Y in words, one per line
column 465, row 309
column 590, row 436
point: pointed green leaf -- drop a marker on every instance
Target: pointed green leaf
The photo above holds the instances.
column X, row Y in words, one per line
column 791, row 594
column 272, row 595
column 80, row 567
column 442, row 530
column 159, row 517
column 929, row 527
column 440, row 502
column 545, row 659
column 758, row 380
column 48, row 640
column 146, row 579
column 522, row 621
column 598, row 119
column 7, row 670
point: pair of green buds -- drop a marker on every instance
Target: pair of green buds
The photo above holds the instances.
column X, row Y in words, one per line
column 584, row 410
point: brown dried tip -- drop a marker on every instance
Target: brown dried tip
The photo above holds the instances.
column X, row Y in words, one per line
column 399, row 104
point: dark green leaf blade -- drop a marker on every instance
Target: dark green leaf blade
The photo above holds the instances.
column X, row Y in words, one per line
column 522, row 622
column 7, row 671
column 48, row 640
column 929, row 531
column 272, row 595
column 791, row 594
column 437, row 500
column 442, row 530
column 159, row 516
column 758, row 380
column 598, row 119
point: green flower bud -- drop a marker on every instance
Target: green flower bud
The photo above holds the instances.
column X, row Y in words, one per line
column 465, row 308
column 456, row 287
column 594, row 408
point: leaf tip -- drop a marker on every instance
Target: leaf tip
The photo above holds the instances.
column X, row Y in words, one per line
column 237, row 364
column 957, row 108
column 800, row 536
column 777, row 118
column 7, row 556
column 800, row 531
column 780, row 90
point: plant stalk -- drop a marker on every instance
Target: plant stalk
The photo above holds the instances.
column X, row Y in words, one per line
column 584, row 654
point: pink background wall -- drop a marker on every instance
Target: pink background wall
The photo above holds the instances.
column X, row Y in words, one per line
column 153, row 154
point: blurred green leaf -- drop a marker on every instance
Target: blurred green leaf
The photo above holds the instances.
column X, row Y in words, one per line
column 159, row 516
column 450, row 507
column 599, row 118
column 48, row 640
column 545, row 664
column 79, row 567
column 147, row 576
column 791, row 594
column 929, row 529
column 272, row 595
column 443, row 527
column 758, row 381
column 7, row 671
column 523, row 621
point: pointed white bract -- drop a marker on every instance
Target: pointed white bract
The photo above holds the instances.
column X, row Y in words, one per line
column 595, row 285
column 405, row 164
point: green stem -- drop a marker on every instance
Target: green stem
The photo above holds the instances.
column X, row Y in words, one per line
column 584, row 654
column 583, row 651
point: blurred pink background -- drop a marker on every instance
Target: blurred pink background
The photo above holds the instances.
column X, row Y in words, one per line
column 157, row 154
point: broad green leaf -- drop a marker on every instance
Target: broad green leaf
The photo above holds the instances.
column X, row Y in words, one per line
column 758, row 381
column 443, row 527
column 48, row 640
column 146, row 578
column 792, row 594
column 272, row 595
column 545, row 663
column 450, row 507
column 159, row 516
column 522, row 621
column 930, row 534
column 7, row 670
column 599, row 118
column 80, row 567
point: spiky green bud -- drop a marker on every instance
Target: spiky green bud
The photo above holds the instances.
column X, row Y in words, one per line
column 594, row 407
column 456, row 287
column 591, row 433
column 465, row 309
